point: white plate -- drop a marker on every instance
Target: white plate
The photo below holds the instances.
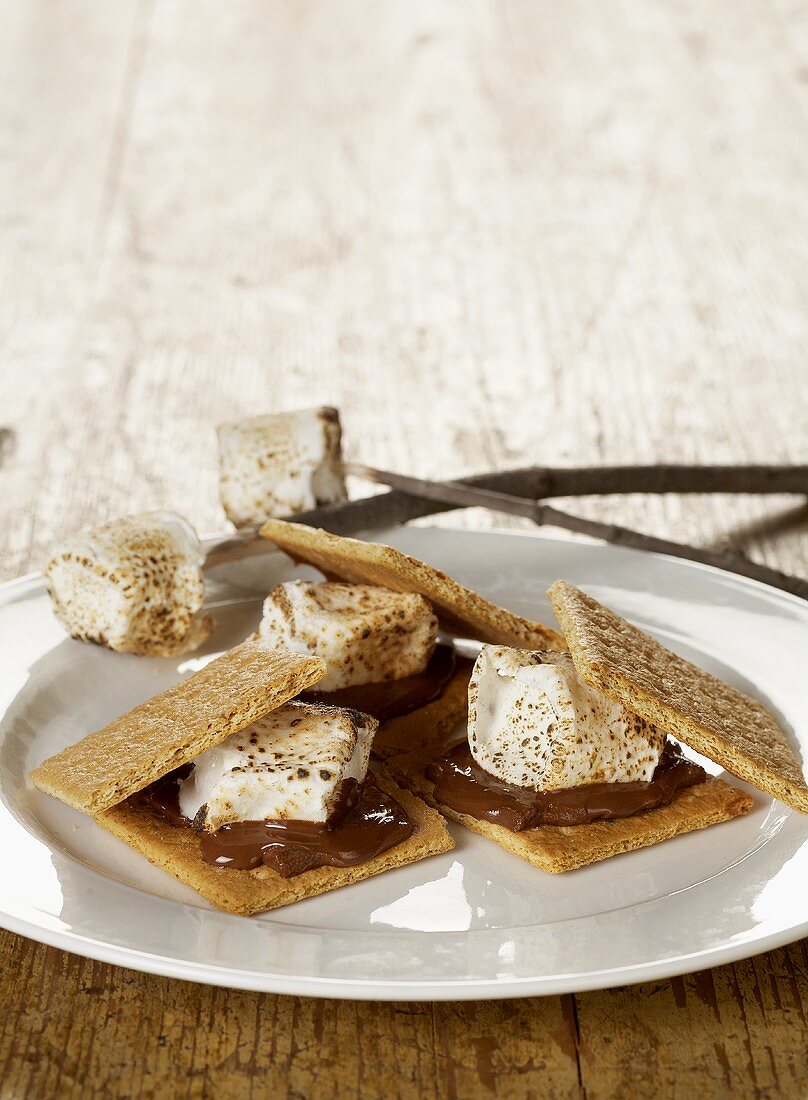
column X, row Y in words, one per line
column 476, row 922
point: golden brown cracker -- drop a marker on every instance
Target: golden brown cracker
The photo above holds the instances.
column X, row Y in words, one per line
column 176, row 726
column 458, row 608
column 557, row 848
column 712, row 717
column 176, row 850
column 431, row 724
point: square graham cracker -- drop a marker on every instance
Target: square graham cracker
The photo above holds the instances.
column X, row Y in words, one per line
column 430, row 725
column 712, row 717
column 175, row 849
column 458, row 608
column 558, row 848
column 175, row 726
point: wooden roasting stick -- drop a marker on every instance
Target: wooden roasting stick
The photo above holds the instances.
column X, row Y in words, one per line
column 571, row 481
column 412, row 498
column 535, row 482
column 465, row 496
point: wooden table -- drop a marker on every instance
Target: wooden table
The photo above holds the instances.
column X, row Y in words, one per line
column 493, row 233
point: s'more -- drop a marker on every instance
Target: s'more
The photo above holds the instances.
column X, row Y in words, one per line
column 574, row 756
column 235, row 786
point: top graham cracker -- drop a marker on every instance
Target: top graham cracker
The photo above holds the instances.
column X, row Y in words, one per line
column 705, row 713
column 176, row 726
column 459, row 609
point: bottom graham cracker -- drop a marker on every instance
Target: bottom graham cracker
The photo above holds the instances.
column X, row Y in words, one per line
column 175, row 849
column 558, row 848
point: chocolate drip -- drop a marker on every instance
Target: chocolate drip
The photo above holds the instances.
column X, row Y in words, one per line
column 367, row 823
column 163, row 795
column 464, row 786
column 386, row 699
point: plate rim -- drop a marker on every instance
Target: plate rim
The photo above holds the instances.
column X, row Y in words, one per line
column 423, row 990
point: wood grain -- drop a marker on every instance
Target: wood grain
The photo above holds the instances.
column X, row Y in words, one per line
column 495, row 234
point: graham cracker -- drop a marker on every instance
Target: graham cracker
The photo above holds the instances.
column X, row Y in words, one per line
column 176, row 726
column 429, row 725
column 712, row 717
column 458, row 608
column 176, row 850
column 557, row 848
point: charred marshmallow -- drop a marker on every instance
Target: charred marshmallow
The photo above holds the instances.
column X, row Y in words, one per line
column 134, row 585
column 280, row 464
column 364, row 633
column 533, row 723
column 287, row 766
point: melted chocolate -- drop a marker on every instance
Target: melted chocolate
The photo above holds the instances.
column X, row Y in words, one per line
column 370, row 823
column 463, row 785
column 386, row 699
column 365, row 822
column 163, row 795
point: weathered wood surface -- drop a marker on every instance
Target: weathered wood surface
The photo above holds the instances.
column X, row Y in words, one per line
column 494, row 234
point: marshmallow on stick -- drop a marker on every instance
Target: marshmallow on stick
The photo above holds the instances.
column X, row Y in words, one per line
column 134, row 585
column 533, row 723
column 365, row 633
column 280, row 464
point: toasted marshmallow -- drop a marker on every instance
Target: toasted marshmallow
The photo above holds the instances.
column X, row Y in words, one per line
column 289, row 765
column 533, row 723
column 134, row 585
column 364, row 633
column 280, row 464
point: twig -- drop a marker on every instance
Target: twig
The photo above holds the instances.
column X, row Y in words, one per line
column 465, row 496
column 601, row 480
column 389, row 509
column 625, row 536
column 550, row 481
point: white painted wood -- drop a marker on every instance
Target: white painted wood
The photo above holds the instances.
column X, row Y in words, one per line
column 492, row 233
